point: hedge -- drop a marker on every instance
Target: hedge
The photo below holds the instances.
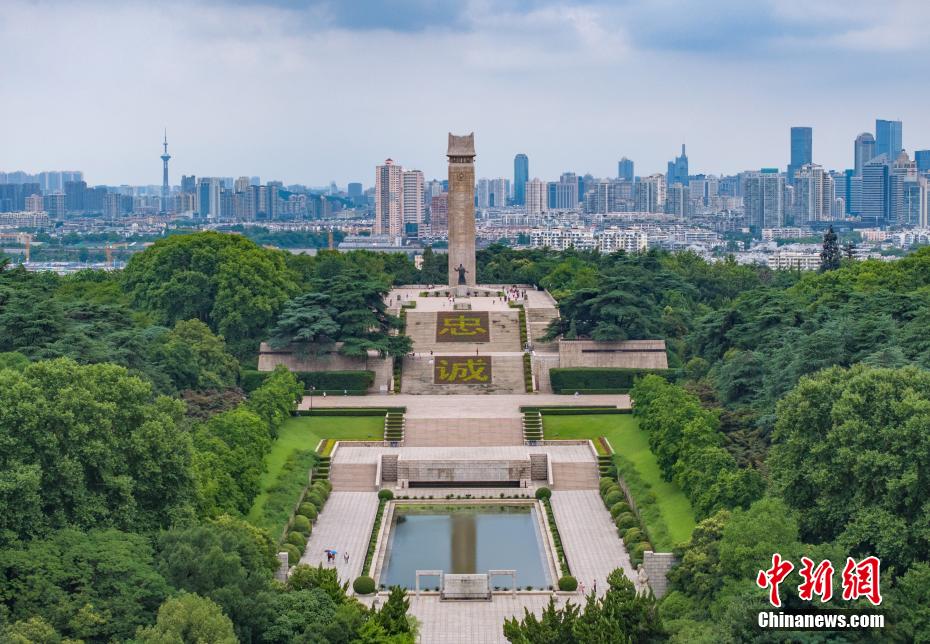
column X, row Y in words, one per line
column 363, row 585
column 599, row 379
column 297, row 539
column 293, row 554
column 301, row 524
column 308, row 510
column 568, row 583
column 334, row 381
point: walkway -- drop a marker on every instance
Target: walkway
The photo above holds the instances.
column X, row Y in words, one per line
column 476, row 406
column 344, row 525
column 589, row 538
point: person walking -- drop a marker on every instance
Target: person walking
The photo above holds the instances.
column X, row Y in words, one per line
column 345, row 557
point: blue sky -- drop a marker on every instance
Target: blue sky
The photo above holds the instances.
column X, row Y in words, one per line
column 316, row 91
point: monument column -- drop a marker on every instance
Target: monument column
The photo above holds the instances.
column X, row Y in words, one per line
column 461, row 155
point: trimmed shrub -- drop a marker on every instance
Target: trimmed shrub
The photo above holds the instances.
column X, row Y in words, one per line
column 636, row 552
column 605, row 483
column 308, row 510
column 619, row 508
column 543, row 493
column 322, row 487
column 572, row 379
column 297, row 539
column 626, row 521
column 613, row 498
column 316, row 499
column 610, row 488
column 293, row 553
column 325, row 484
column 363, row 585
column 568, row 583
column 301, row 524
column 386, row 495
column 632, row 535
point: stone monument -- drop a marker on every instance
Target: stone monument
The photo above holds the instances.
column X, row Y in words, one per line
column 461, row 155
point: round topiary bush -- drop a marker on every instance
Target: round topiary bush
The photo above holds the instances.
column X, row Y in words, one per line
column 619, row 508
column 293, row 553
column 636, row 552
column 326, row 484
column 297, row 539
column 543, row 493
column 301, row 524
column 322, row 490
column 605, row 483
column 316, row 499
column 568, row 583
column 386, row 495
column 308, row 510
column 632, row 536
column 363, row 585
column 613, row 487
column 625, row 521
column 613, row 498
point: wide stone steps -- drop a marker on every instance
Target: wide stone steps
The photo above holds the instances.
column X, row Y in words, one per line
column 506, row 377
column 504, row 333
column 574, row 476
column 353, row 477
column 462, row 432
column 538, row 320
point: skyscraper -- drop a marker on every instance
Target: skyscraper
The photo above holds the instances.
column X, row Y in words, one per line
column 414, row 204
column 764, row 198
column 676, row 200
column 888, row 138
column 922, row 158
column 521, row 174
column 863, row 151
column 208, row 197
column 389, row 188
column 625, row 169
column 814, row 194
column 678, row 169
column 649, row 193
column 165, row 188
column 875, row 204
column 802, row 145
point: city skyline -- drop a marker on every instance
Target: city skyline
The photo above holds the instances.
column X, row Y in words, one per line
column 309, row 118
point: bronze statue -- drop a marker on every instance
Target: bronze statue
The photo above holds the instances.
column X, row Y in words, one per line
column 461, row 270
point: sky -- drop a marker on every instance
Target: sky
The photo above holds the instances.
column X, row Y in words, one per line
column 318, row 91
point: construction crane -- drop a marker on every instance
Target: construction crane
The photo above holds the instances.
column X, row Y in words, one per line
column 108, row 250
column 20, row 238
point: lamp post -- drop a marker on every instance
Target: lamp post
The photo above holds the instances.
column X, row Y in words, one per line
column 312, row 389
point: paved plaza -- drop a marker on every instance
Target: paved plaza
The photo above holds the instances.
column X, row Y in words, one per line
column 344, row 525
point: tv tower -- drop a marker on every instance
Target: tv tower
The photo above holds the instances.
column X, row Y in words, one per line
column 165, row 189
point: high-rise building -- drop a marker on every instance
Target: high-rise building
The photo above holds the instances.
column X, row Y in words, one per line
column 112, row 206
column 676, row 200
column 814, row 194
column 354, row 190
column 863, row 151
column 188, row 183
column 208, row 197
column 498, row 192
column 536, row 197
column 649, row 193
column 521, row 174
column 483, row 194
column 35, row 203
column 389, row 200
column 678, row 169
column 876, row 202
column 566, row 192
column 888, row 138
column 55, row 205
column 165, row 187
column 903, row 174
column 922, row 159
column 764, row 198
column 241, row 185
column 413, row 202
column 74, row 195
column 439, row 213
column 802, row 146
column 625, row 169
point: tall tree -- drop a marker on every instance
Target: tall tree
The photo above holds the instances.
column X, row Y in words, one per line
column 189, row 619
column 830, row 255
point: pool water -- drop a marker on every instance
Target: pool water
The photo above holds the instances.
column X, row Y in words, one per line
column 465, row 539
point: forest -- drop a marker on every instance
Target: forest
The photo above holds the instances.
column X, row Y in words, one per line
column 798, row 422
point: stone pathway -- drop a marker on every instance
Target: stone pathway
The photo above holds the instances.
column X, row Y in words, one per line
column 463, row 432
column 344, row 525
column 346, row 453
column 589, row 538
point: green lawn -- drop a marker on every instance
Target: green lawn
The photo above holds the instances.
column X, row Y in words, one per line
column 632, row 444
column 305, row 433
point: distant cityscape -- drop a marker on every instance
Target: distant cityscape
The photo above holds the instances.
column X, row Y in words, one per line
column 879, row 207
